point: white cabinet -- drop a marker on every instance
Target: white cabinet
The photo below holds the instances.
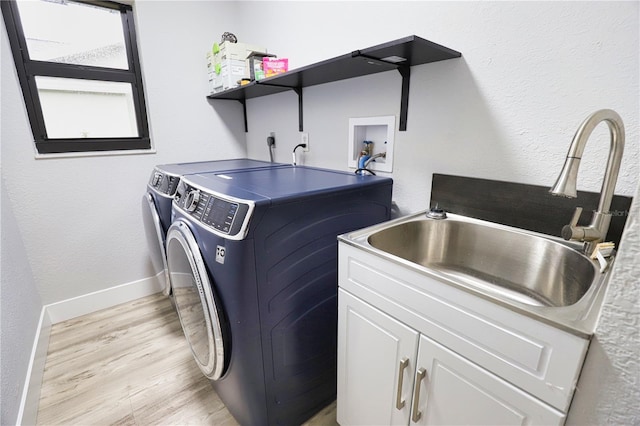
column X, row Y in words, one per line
column 455, row 391
column 389, row 374
column 413, row 350
column 376, row 365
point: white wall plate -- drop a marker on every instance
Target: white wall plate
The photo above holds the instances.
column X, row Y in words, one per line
column 380, row 131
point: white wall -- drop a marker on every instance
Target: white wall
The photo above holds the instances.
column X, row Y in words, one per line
column 609, row 388
column 80, row 218
column 531, row 72
column 20, row 309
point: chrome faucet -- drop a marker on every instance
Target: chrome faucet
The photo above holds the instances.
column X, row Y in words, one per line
column 566, row 184
column 373, row 158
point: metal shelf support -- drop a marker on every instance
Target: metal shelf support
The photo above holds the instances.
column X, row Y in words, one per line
column 244, row 114
column 405, row 72
column 298, row 90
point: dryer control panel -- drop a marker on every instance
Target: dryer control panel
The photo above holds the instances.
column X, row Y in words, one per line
column 225, row 216
column 163, row 183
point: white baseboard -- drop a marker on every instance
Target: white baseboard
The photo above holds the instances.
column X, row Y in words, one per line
column 93, row 302
column 65, row 310
column 28, row 411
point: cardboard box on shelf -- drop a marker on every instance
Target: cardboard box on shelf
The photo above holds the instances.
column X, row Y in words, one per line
column 254, row 63
column 238, row 51
column 230, row 74
column 228, row 62
column 211, row 81
column 273, row 66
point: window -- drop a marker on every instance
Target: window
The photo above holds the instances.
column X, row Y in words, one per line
column 77, row 62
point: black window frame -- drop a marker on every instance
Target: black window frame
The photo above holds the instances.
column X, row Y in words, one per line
column 28, row 69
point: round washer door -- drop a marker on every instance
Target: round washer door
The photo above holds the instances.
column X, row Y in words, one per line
column 195, row 302
column 155, row 239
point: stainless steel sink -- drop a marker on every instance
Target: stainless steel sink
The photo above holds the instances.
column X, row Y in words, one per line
column 542, row 276
column 526, row 268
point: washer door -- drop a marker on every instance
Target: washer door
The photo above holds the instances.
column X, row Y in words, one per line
column 195, row 302
column 155, row 239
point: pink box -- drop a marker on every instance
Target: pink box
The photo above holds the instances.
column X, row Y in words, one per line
column 273, row 66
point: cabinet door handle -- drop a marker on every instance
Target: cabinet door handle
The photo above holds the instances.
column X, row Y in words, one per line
column 404, row 362
column 415, row 413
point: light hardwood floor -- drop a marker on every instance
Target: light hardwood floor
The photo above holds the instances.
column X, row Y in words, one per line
column 130, row 365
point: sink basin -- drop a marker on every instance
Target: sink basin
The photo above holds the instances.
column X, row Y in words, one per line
column 526, row 268
column 538, row 275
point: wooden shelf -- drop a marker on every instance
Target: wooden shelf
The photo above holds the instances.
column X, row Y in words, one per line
column 399, row 55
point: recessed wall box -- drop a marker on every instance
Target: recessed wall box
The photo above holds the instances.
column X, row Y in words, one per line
column 378, row 130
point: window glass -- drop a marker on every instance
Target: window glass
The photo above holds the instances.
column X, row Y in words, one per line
column 75, row 108
column 73, row 33
column 79, row 72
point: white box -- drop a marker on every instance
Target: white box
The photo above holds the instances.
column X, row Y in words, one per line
column 231, row 71
column 210, row 63
column 238, row 51
column 228, row 63
column 211, row 78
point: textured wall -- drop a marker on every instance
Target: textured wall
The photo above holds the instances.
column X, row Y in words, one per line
column 530, row 73
column 608, row 391
column 20, row 308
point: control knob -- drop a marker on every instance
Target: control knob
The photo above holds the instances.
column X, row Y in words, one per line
column 191, row 200
column 157, row 178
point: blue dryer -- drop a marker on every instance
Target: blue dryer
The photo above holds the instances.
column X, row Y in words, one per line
column 162, row 187
column 252, row 257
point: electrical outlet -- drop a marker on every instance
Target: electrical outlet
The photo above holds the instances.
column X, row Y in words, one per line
column 271, row 139
column 304, row 138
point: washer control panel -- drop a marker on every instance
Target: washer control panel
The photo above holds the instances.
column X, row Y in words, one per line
column 164, row 183
column 227, row 217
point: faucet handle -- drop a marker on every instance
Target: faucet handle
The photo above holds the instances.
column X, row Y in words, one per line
column 576, row 216
column 568, row 230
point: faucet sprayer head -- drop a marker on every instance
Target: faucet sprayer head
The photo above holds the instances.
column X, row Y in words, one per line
column 566, row 184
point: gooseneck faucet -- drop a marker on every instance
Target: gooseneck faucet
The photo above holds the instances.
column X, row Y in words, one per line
column 566, row 184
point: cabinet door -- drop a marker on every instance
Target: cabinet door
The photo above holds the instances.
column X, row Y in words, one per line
column 455, row 391
column 376, row 365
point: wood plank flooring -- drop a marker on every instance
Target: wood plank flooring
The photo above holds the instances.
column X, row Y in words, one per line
column 131, row 365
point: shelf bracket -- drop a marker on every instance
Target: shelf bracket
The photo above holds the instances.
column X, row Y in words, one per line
column 298, row 90
column 405, row 72
column 244, row 114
